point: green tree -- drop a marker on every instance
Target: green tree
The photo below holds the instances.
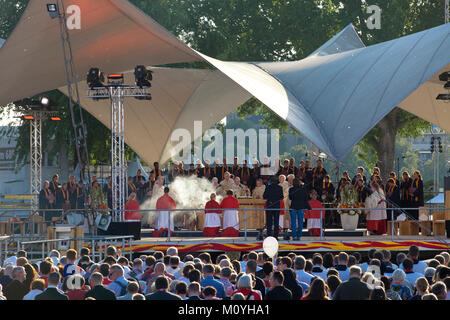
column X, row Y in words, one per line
column 276, row 30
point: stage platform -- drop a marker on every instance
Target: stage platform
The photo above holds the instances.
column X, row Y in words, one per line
column 147, row 233
column 307, row 243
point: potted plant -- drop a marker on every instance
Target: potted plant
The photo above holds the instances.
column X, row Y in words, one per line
column 349, row 199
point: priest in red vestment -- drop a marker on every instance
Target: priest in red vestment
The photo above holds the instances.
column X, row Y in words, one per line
column 163, row 223
column 212, row 217
column 130, row 208
column 230, row 215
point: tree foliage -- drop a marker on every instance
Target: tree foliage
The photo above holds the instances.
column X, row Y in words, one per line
column 263, row 30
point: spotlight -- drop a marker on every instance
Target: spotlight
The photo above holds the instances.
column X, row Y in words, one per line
column 142, row 76
column 439, row 145
column 52, row 9
column 95, row 78
column 444, row 76
column 443, row 96
column 447, row 85
column 45, row 101
column 28, row 117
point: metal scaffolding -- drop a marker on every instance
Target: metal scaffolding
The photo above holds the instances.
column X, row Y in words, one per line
column 36, row 152
column 116, row 94
column 35, row 159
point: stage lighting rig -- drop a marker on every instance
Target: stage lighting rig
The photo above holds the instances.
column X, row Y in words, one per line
column 143, row 76
column 95, row 78
column 445, row 77
column 45, row 101
column 53, row 10
column 117, row 91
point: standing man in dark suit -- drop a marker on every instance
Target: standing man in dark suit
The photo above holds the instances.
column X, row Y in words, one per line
column 273, row 194
column 16, row 290
column 194, row 291
column 161, row 293
column 277, row 291
column 52, row 292
column 98, row 291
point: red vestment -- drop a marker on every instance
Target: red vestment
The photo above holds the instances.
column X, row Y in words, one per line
column 164, row 203
column 132, row 215
column 212, row 221
column 230, row 218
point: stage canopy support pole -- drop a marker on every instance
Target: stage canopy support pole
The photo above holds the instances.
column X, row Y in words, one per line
column 118, row 158
column 35, row 159
column 117, row 94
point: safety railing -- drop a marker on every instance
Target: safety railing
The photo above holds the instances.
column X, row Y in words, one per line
column 263, row 211
column 97, row 245
column 322, row 212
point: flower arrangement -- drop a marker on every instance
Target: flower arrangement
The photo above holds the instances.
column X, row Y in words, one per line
column 349, row 199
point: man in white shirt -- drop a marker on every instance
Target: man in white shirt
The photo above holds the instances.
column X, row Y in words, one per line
column 119, row 283
column 299, row 267
column 123, row 261
column 174, row 265
column 37, row 287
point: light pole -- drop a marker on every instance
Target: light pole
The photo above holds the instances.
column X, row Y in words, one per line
column 35, row 113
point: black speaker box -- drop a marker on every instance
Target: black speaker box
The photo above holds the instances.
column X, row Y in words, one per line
column 125, row 228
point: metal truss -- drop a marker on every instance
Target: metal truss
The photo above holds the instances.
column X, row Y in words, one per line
column 116, row 94
column 36, row 153
column 35, row 159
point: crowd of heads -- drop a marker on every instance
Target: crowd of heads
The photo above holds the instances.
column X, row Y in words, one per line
column 228, row 276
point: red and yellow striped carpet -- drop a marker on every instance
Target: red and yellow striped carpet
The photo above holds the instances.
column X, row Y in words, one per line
column 308, row 246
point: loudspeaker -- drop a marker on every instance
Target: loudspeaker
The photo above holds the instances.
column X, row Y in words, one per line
column 103, row 221
column 125, row 228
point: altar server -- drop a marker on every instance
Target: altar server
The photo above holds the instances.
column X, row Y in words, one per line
column 230, row 215
column 376, row 219
column 212, row 217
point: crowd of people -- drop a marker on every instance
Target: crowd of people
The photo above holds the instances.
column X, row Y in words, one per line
column 302, row 189
column 254, row 276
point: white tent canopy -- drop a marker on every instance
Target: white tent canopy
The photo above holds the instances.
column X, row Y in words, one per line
column 333, row 97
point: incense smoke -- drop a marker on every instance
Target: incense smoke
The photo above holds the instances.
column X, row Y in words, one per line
column 189, row 193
